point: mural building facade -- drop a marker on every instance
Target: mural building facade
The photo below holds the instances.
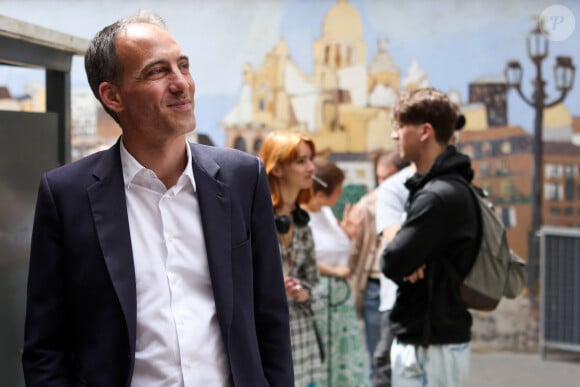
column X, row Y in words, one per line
column 344, row 105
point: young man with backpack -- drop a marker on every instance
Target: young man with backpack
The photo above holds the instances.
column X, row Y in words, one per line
column 430, row 322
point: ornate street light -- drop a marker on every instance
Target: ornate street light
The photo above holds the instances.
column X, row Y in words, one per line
column 564, row 70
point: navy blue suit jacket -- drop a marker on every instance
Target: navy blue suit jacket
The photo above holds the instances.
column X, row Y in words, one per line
column 81, row 305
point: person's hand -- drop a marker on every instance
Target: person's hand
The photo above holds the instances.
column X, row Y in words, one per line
column 295, row 289
column 341, row 271
column 352, row 217
column 419, row 274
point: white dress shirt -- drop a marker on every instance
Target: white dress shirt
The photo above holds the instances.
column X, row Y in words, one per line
column 178, row 337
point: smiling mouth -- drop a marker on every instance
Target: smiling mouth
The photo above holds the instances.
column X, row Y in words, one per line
column 181, row 104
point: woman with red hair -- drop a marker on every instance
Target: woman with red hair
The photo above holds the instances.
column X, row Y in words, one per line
column 288, row 160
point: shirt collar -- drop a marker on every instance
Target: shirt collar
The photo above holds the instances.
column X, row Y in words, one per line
column 132, row 167
column 188, row 172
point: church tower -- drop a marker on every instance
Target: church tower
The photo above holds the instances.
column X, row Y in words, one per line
column 341, row 45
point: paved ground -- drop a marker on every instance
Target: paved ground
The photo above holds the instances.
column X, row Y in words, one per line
column 501, row 369
column 506, row 353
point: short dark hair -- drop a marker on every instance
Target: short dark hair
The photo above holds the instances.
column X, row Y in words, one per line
column 431, row 106
column 382, row 157
column 101, row 62
column 391, row 157
column 329, row 173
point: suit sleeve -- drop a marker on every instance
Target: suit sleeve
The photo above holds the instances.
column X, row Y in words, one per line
column 46, row 357
column 271, row 308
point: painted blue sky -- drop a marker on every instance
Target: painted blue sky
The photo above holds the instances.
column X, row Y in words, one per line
column 455, row 41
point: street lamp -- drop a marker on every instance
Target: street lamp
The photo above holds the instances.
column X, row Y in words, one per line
column 537, row 48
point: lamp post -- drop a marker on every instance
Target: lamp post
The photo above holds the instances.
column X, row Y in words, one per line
column 564, row 70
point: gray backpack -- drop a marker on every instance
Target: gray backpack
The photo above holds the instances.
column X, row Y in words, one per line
column 497, row 271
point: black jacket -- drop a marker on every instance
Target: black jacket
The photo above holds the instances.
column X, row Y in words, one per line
column 442, row 223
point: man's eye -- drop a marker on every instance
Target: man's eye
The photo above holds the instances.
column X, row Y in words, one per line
column 156, row 71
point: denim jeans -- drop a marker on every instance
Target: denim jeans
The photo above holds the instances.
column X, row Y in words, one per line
column 382, row 355
column 372, row 317
column 435, row 366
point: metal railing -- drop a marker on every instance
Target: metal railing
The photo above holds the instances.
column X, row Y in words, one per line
column 560, row 289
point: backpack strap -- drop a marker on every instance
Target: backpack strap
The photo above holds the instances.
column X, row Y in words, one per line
column 475, row 193
column 446, row 264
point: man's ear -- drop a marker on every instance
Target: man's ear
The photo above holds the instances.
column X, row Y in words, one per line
column 320, row 196
column 428, row 132
column 110, row 96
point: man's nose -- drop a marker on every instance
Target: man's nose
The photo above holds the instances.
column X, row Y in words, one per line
column 179, row 81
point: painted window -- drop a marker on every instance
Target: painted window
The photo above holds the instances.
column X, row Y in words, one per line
column 506, row 147
column 240, row 144
column 552, row 170
column 484, row 169
column 508, row 216
column 507, row 188
column 551, row 191
column 569, row 189
column 257, row 145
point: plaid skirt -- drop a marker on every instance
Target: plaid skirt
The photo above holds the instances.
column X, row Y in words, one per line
column 305, row 351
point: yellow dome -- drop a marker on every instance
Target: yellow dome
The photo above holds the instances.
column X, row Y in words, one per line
column 342, row 22
column 557, row 116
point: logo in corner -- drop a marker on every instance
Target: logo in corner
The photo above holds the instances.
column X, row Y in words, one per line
column 557, row 23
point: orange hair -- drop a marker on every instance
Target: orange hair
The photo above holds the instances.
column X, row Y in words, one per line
column 281, row 148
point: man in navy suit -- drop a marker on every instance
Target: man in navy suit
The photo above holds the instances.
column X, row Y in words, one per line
column 156, row 262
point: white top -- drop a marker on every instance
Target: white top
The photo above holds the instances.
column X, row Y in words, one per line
column 178, row 337
column 391, row 199
column 392, row 196
column 331, row 243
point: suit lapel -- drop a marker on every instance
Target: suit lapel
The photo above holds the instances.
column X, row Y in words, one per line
column 107, row 198
column 108, row 204
column 214, row 204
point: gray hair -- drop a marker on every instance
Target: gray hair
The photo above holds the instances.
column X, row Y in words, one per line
column 101, row 63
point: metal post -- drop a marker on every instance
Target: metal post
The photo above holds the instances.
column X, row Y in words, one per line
column 537, row 45
column 537, row 179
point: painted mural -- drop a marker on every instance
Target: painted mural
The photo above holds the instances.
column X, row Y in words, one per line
column 333, row 69
column 344, row 105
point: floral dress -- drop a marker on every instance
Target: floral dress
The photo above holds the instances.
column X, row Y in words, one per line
column 299, row 261
column 347, row 363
